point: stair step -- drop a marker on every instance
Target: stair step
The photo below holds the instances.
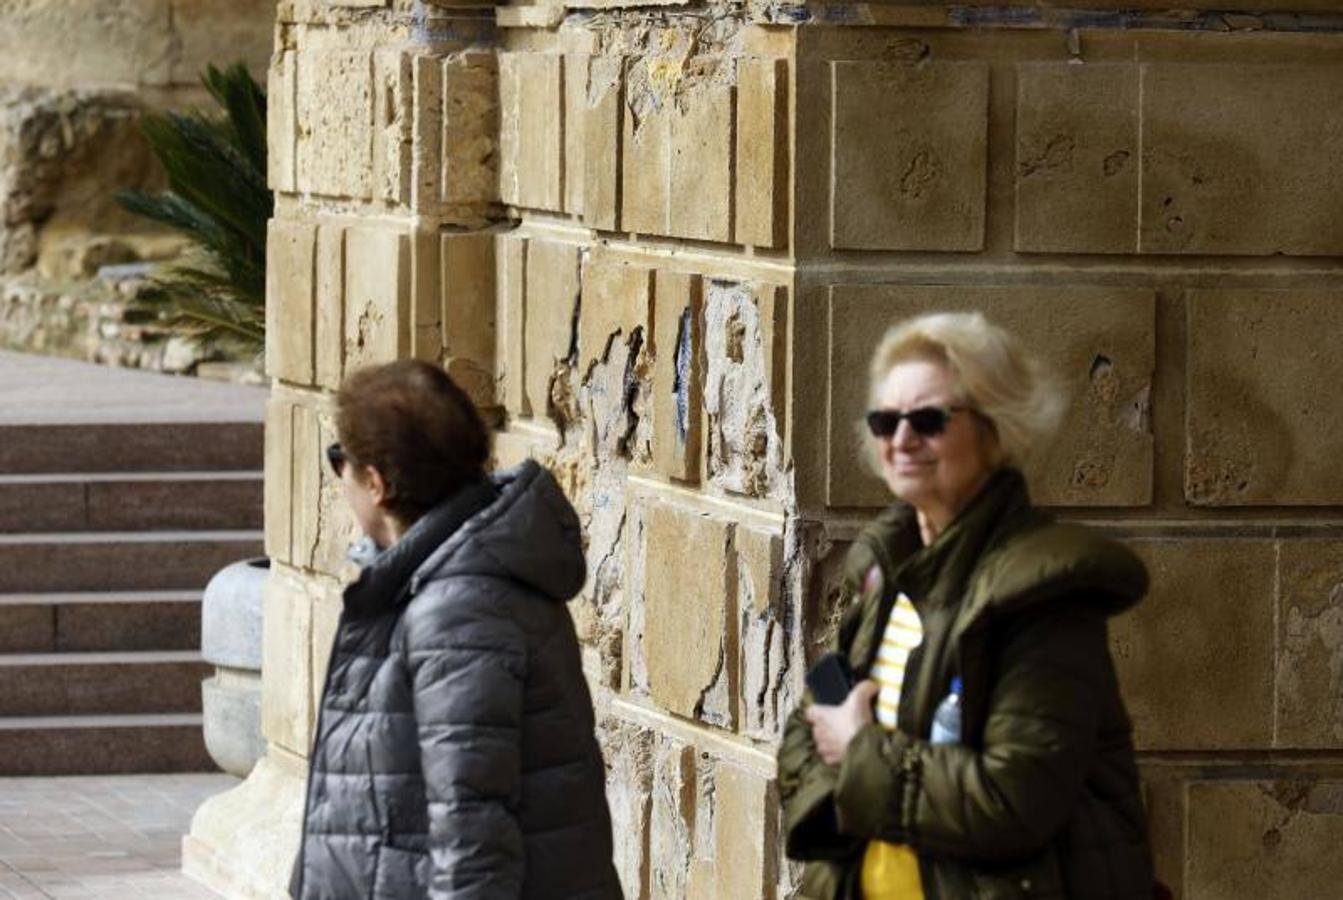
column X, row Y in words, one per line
column 103, row 745
column 130, row 447
column 93, row 622
column 130, row 501
column 76, row 684
column 119, row 561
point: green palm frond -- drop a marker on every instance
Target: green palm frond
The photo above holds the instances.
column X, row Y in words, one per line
column 217, row 197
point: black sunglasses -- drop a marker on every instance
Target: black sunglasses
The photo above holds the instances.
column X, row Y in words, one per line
column 927, row 421
column 335, row 454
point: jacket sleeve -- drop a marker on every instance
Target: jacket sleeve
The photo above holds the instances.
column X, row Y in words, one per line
column 1007, row 798
column 807, row 783
column 467, row 659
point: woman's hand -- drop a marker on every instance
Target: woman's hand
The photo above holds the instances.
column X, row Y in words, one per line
column 832, row 727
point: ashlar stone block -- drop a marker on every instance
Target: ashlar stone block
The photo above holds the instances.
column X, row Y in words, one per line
column 762, row 186
column 531, row 134
column 677, row 375
column 616, row 300
column 1310, row 642
column 602, row 128
column 290, row 299
column 282, row 121
column 470, row 123
column 377, row 296
column 1239, row 159
column 700, row 158
column 909, row 155
column 279, row 479
column 645, row 160
column 329, row 329
column 576, row 67
column 744, row 840
column 1264, row 415
column 1077, row 158
column 286, row 691
column 689, row 643
column 468, row 315
column 1271, row 840
column 552, row 297
column 393, row 121
column 1099, row 342
column 763, row 633
column 335, row 123
column 511, row 285
column 309, row 460
column 1206, row 626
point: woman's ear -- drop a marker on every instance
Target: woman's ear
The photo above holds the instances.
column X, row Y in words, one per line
column 375, row 484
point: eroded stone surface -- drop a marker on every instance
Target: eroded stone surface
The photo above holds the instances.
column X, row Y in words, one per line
column 1310, row 638
column 335, row 123
column 908, row 170
column 1264, row 419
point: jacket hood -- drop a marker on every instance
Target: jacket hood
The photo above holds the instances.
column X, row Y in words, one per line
column 530, row 533
column 1010, row 555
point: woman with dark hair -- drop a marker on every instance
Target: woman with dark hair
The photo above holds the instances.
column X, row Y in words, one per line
column 454, row 755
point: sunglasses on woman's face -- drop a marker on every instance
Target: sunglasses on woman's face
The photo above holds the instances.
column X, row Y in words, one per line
column 927, row 421
column 335, row 454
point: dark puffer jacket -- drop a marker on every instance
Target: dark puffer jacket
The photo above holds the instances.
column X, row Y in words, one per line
column 1042, row 798
column 455, row 754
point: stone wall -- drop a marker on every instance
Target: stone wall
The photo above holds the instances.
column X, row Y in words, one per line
column 659, row 243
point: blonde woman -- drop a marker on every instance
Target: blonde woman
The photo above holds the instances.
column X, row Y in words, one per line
column 983, row 750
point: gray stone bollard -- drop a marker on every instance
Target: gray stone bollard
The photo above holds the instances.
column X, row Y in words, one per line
column 231, row 639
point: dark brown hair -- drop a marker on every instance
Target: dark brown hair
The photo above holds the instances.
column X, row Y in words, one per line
column 413, row 424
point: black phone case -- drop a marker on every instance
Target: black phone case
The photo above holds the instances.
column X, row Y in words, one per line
column 830, row 680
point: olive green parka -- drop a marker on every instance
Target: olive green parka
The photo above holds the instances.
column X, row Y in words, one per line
column 1041, row 798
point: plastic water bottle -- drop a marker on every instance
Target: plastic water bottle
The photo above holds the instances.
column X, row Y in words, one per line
column 947, row 719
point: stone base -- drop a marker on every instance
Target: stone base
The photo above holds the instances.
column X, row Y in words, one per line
column 231, row 708
column 242, row 842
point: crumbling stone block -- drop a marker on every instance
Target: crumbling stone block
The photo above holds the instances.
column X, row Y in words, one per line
column 468, row 313
column 377, row 296
column 393, row 120
column 1201, row 627
column 1077, row 158
column 745, row 332
column 689, row 640
column 645, row 160
column 1264, row 417
column 763, row 632
column 1310, row 641
column 909, row 167
column 616, row 300
column 551, row 302
column 677, row 375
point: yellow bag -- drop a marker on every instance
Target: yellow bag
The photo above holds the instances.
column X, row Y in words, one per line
column 891, row 872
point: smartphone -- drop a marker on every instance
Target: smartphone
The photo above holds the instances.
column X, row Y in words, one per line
column 831, row 679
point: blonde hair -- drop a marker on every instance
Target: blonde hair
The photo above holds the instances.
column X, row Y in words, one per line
column 994, row 374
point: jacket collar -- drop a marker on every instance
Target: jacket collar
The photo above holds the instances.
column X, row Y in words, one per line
column 385, row 576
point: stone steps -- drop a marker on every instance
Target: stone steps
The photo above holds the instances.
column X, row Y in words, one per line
column 130, row 501
column 82, row 684
column 99, row 621
column 42, row 448
column 119, row 561
column 103, row 745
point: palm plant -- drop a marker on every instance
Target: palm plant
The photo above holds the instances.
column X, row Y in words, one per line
column 217, row 196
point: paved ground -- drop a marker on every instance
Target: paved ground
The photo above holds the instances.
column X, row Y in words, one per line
column 100, row 837
column 44, row 389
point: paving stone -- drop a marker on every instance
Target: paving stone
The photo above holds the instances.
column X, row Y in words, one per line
column 1077, row 158
column 1202, row 628
column 1238, row 159
column 909, row 163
